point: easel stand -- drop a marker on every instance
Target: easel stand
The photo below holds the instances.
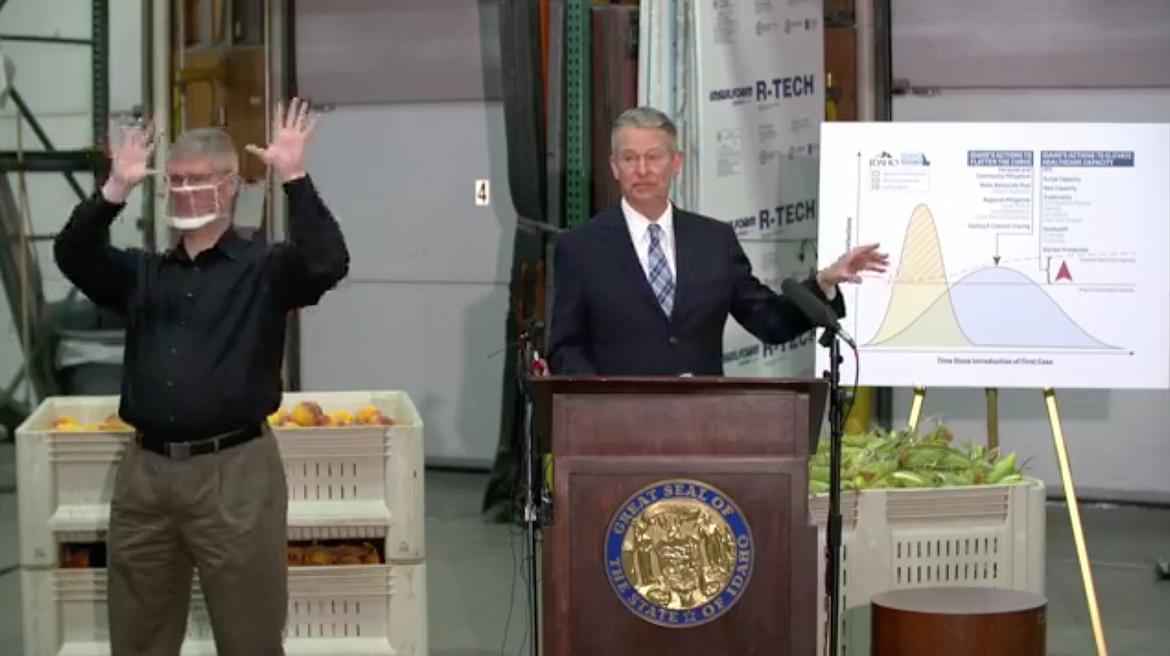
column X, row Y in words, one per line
column 1066, row 479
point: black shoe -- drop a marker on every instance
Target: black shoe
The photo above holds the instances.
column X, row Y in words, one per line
column 1163, row 570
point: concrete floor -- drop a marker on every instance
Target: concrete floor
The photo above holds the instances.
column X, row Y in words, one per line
column 477, row 596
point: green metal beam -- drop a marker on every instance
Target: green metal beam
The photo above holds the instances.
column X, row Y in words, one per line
column 41, row 375
column 57, row 40
column 51, row 161
column 42, row 136
column 99, row 70
column 578, row 160
column 99, row 43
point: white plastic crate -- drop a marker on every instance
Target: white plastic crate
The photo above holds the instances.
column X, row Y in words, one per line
column 344, row 482
column 986, row 536
column 363, row 610
column 358, row 476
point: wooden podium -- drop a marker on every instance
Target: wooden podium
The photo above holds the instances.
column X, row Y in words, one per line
column 680, row 520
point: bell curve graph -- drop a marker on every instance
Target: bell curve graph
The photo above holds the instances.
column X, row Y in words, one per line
column 1022, row 255
column 989, row 307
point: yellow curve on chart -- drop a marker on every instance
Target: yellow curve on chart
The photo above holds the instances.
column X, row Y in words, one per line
column 918, row 313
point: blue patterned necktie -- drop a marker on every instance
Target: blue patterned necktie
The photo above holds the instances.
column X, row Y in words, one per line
column 660, row 279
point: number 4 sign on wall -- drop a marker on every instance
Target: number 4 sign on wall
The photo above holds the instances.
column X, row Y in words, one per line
column 483, row 192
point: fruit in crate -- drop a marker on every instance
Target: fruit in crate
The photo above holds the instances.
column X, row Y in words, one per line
column 356, row 555
column 366, row 413
column 308, row 414
column 319, row 555
column 64, row 420
column 76, row 557
column 380, row 420
column 111, row 423
column 114, row 422
column 296, row 556
column 883, row 459
column 371, row 415
column 67, row 424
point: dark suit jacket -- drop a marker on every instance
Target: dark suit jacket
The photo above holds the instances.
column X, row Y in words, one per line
column 606, row 321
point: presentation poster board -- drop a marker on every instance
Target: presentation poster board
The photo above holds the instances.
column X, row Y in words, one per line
column 1022, row 255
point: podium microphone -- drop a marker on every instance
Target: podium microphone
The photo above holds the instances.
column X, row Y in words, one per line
column 823, row 316
column 815, row 309
column 529, row 365
column 530, row 326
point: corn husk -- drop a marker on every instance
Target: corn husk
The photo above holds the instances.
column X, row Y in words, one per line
column 882, row 459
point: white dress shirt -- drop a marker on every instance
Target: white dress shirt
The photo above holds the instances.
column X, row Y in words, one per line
column 639, row 226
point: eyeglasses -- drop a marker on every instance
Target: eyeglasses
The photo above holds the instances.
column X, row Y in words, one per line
column 207, row 179
column 654, row 159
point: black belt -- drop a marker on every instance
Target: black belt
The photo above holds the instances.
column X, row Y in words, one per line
column 184, row 450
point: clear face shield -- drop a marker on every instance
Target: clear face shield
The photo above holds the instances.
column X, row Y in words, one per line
column 194, row 201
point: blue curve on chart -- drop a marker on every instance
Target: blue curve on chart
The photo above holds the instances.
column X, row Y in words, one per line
column 999, row 306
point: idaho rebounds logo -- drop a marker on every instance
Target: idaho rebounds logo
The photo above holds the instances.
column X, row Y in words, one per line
column 679, row 553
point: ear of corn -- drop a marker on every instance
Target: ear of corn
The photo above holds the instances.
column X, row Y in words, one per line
column 882, row 459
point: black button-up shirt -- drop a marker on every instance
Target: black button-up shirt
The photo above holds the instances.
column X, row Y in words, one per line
column 205, row 340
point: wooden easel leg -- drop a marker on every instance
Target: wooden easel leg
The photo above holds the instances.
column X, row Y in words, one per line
column 861, row 412
column 916, row 408
column 1074, row 515
column 992, row 418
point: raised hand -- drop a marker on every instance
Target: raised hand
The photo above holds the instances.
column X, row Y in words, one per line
column 291, row 131
column 131, row 153
column 849, row 267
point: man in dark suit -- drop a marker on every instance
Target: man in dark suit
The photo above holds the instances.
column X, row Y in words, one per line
column 646, row 289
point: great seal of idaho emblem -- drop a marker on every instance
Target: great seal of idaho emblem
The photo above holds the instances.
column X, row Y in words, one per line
column 679, row 553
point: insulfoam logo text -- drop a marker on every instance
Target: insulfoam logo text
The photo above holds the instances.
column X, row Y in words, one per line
column 737, row 95
column 741, row 354
column 779, row 349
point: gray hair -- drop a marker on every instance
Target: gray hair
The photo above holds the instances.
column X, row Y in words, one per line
column 211, row 143
column 644, row 117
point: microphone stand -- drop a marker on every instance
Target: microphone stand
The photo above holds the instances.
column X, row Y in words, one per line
column 830, row 340
column 531, row 509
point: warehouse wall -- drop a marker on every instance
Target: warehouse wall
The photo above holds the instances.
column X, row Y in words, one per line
column 416, row 120
column 55, row 82
column 424, row 306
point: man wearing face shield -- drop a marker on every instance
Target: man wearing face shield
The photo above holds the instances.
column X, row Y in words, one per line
column 200, row 193
column 202, row 485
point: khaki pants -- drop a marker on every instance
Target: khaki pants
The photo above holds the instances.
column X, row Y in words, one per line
column 224, row 514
